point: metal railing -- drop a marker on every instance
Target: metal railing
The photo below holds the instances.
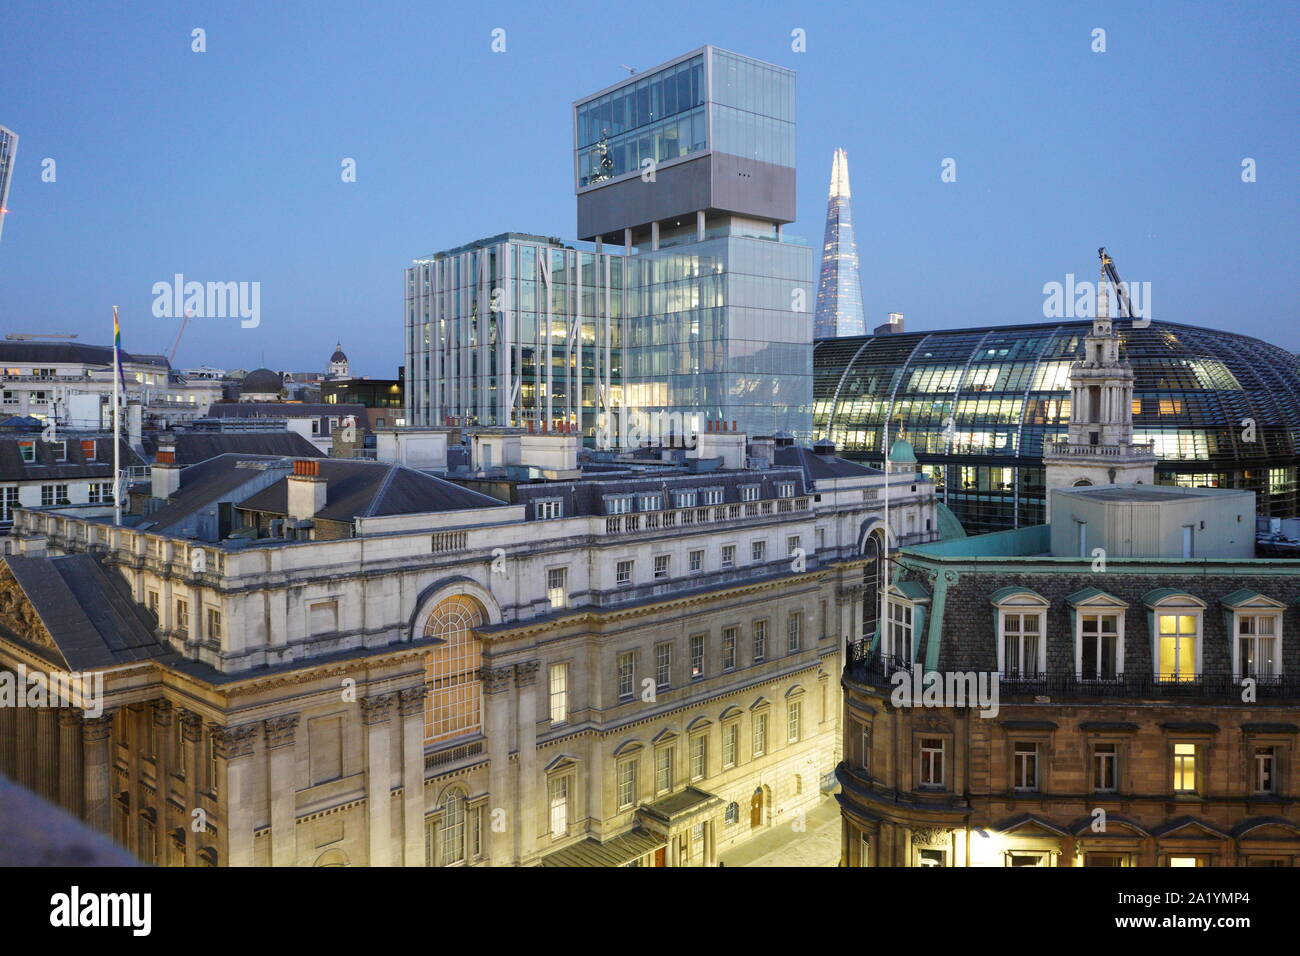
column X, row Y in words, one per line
column 877, row 670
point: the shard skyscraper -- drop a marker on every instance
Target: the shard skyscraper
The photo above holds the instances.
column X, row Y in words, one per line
column 839, row 291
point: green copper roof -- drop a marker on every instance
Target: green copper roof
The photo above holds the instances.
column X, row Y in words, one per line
column 949, row 526
column 913, row 590
column 1152, row 598
column 1087, row 594
column 902, row 452
column 1002, row 594
column 1245, row 596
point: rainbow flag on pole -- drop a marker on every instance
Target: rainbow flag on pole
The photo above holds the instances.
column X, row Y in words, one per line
column 117, row 349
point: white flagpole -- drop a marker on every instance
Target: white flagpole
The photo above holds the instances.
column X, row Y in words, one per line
column 883, row 576
column 117, row 426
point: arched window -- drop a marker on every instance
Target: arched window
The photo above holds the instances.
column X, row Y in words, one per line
column 451, row 836
column 873, row 579
column 1082, row 483
column 452, row 705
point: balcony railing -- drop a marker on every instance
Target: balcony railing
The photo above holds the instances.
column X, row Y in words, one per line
column 1064, row 448
column 636, row 522
column 877, row 670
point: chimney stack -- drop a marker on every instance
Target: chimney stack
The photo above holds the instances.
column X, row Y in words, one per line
column 165, row 475
column 306, row 489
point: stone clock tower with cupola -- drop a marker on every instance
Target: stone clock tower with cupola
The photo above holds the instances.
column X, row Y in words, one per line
column 1099, row 447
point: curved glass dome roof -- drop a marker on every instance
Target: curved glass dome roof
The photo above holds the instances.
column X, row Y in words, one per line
column 977, row 405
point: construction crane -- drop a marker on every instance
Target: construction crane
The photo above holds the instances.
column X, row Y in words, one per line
column 171, row 356
column 1108, row 268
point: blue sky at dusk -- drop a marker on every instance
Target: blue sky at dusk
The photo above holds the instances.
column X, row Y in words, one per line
column 225, row 165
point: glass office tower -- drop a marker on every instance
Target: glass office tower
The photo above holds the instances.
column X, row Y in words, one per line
column 513, row 330
column 689, row 168
column 8, row 153
column 839, row 288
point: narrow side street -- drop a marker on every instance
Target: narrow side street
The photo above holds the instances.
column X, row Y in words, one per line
column 817, row 845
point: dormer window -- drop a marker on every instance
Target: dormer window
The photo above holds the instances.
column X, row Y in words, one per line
column 684, row 499
column 1256, row 627
column 549, row 508
column 749, row 492
column 1176, row 634
column 651, row 502
column 785, row 489
column 905, row 619
column 618, row 504
column 1098, row 620
column 1022, row 632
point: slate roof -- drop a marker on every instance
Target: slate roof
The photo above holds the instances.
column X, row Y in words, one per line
column 820, row 466
column 586, row 495
column 285, row 410
column 363, row 489
column 46, row 468
column 194, row 447
column 202, row 484
column 87, row 610
column 12, row 353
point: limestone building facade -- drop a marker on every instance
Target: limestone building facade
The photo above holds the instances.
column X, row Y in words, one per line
column 319, row 662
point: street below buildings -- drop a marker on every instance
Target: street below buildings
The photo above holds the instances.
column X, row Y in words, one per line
column 782, row 845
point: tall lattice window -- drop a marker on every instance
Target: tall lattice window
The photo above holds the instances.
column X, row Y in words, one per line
column 452, row 835
column 452, row 706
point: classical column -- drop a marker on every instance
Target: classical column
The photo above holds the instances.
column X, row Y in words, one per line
column 281, row 734
column 162, row 717
column 234, row 747
column 25, row 742
column 526, row 680
column 411, row 708
column 191, row 731
column 9, row 732
column 496, row 687
column 376, row 716
column 95, row 735
column 47, row 753
column 70, row 762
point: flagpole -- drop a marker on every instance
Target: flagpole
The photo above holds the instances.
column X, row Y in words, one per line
column 883, row 576
column 117, row 425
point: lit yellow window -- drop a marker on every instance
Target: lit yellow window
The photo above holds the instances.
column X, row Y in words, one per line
column 1177, row 660
column 1185, row 768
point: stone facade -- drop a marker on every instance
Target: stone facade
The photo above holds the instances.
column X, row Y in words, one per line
column 454, row 689
column 1128, row 765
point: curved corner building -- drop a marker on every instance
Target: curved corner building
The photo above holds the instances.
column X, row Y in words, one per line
column 1222, row 409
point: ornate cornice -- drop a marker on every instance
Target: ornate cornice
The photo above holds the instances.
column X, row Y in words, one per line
column 513, row 630
column 378, row 708
column 280, row 731
column 526, row 673
column 233, row 742
column 410, row 702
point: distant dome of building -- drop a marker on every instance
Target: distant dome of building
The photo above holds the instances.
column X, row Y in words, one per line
column 261, row 381
column 339, row 367
column 902, row 452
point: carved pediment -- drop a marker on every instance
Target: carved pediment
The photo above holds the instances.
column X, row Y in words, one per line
column 18, row 617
